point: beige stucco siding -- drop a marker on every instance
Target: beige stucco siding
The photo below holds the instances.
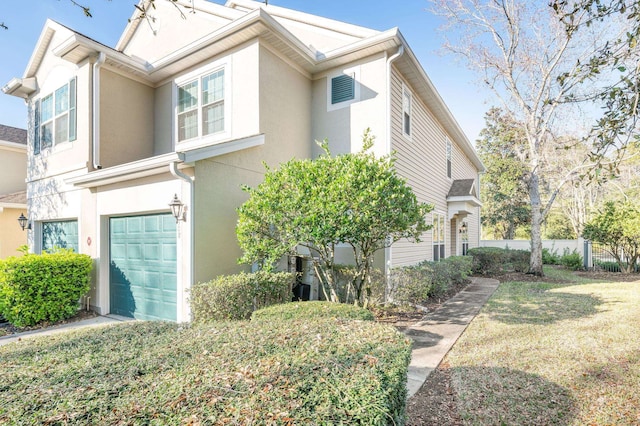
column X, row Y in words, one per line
column 13, row 169
column 284, row 97
column 126, row 119
column 168, row 32
column 163, row 119
column 11, row 235
column 344, row 126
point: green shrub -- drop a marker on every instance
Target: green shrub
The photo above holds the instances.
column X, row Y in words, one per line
column 299, row 372
column 488, row 260
column 571, row 260
column 519, row 260
column 416, row 284
column 234, row 297
column 43, row 287
column 460, row 268
column 344, row 277
column 311, row 311
column 549, row 257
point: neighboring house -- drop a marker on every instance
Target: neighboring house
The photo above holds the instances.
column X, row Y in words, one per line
column 13, row 189
column 192, row 108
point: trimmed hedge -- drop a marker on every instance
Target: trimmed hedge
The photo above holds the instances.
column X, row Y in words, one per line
column 235, row 297
column 416, row 284
column 572, row 260
column 488, row 260
column 43, row 287
column 311, row 311
column 346, row 294
column 320, row 372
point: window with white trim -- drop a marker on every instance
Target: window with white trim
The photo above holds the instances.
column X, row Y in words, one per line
column 406, row 111
column 449, row 150
column 201, row 109
column 438, row 232
column 55, row 117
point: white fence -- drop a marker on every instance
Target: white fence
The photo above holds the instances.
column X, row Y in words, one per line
column 554, row 246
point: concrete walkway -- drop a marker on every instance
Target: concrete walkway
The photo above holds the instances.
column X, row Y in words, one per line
column 90, row 322
column 438, row 331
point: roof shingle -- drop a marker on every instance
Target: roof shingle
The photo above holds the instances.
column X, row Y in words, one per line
column 13, row 134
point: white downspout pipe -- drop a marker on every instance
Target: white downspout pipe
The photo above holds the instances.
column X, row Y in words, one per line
column 173, row 168
column 95, row 137
column 390, row 60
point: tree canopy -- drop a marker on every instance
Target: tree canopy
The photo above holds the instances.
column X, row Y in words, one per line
column 353, row 199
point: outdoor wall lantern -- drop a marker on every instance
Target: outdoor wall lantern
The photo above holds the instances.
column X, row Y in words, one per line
column 463, row 228
column 178, row 209
column 24, row 222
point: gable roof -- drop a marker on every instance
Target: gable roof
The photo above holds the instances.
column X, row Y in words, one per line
column 462, row 188
column 250, row 20
column 13, row 134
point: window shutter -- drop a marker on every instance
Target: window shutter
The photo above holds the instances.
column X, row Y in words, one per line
column 342, row 88
column 36, row 127
column 72, row 110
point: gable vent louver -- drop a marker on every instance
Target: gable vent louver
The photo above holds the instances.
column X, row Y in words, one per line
column 342, row 88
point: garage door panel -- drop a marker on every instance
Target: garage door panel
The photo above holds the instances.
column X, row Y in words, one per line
column 147, row 287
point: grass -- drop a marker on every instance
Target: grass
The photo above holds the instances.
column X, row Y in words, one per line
column 327, row 371
column 552, row 354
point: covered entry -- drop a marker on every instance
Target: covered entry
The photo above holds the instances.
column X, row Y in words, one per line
column 143, row 267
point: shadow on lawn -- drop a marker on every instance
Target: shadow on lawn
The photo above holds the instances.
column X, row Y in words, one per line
column 543, row 307
column 495, row 396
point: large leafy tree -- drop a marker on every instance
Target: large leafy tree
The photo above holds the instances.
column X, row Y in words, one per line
column 532, row 61
column 354, row 199
column 502, row 149
column 617, row 226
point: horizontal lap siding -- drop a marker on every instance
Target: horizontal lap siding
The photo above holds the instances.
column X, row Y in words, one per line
column 421, row 160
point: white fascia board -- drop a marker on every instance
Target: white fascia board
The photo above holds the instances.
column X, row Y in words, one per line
column 12, row 206
column 13, row 146
column 363, row 44
column 20, row 87
column 78, row 40
column 209, row 151
column 465, row 199
column 125, row 172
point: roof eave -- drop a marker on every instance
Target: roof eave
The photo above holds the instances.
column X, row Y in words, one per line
column 20, row 87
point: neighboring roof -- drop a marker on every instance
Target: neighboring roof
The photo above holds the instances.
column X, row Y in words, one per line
column 13, row 134
column 462, row 188
column 15, row 200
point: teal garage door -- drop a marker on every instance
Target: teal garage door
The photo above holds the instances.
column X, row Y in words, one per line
column 143, row 266
column 60, row 234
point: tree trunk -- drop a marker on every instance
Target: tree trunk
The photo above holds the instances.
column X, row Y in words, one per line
column 535, row 263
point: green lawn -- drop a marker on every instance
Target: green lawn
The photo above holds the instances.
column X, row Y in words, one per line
column 548, row 353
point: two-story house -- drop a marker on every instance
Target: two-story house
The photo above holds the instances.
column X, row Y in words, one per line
column 13, row 189
column 189, row 109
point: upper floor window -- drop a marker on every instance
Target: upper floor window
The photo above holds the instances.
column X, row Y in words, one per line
column 449, row 150
column 201, row 106
column 55, row 117
column 406, row 111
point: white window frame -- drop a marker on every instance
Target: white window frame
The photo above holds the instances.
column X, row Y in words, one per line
column 353, row 72
column 407, row 111
column 197, row 76
column 70, row 112
column 439, row 235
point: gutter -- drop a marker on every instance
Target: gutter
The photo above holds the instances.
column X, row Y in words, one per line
column 188, row 279
column 390, row 60
column 95, row 139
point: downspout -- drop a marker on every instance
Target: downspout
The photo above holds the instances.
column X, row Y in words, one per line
column 95, row 137
column 173, row 168
column 390, row 60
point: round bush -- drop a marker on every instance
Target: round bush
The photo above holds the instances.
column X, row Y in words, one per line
column 312, row 310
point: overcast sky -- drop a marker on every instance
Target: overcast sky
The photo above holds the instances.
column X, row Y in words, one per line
column 457, row 86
